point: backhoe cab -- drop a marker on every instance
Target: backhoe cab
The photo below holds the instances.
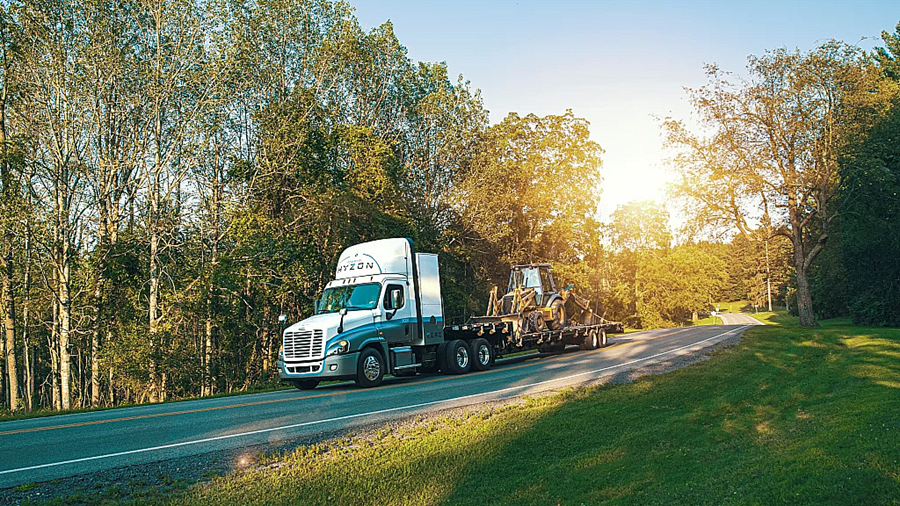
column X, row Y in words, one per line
column 531, row 298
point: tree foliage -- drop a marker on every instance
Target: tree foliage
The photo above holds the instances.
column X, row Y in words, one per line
column 773, row 155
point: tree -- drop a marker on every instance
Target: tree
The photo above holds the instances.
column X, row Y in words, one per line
column 532, row 188
column 773, row 154
column 674, row 286
column 636, row 231
column 9, row 209
column 871, row 245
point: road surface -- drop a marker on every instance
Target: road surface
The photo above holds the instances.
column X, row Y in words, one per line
column 55, row 447
column 738, row 319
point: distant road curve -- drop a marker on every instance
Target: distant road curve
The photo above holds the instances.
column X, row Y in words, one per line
column 738, row 319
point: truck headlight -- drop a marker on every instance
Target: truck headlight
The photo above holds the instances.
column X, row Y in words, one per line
column 339, row 347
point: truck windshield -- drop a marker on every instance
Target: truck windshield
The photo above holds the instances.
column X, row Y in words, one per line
column 352, row 297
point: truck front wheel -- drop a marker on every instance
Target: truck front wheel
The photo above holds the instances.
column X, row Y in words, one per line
column 482, row 354
column 369, row 368
column 305, row 384
column 459, row 357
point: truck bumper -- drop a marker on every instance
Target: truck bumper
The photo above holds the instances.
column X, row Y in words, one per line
column 334, row 367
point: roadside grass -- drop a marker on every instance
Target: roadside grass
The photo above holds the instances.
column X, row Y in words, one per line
column 738, row 306
column 788, row 415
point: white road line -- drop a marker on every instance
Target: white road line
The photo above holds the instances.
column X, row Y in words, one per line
column 360, row 415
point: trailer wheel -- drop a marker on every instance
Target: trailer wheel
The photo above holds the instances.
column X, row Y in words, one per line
column 558, row 310
column 305, row 384
column 458, row 357
column 482, row 354
column 603, row 340
column 369, row 368
column 591, row 340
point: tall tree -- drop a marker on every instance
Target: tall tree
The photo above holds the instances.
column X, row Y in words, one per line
column 776, row 140
column 548, row 171
column 9, row 197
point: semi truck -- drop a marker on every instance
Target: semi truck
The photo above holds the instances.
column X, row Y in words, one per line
column 383, row 314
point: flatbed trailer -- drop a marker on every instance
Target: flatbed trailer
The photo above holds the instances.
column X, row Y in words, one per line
column 505, row 339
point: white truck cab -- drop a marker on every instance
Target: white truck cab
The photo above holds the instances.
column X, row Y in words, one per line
column 379, row 315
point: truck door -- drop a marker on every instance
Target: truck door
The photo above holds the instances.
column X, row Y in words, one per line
column 397, row 320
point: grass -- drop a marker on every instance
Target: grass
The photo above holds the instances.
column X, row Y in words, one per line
column 789, row 415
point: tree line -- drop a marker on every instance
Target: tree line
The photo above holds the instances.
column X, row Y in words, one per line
column 804, row 149
column 177, row 174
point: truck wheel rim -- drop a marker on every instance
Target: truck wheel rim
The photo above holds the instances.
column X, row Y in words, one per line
column 462, row 357
column 484, row 355
column 371, row 368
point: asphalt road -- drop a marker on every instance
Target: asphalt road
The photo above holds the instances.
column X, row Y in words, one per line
column 55, row 447
column 738, row 319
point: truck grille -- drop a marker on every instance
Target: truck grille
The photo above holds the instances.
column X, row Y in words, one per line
column 304, row 345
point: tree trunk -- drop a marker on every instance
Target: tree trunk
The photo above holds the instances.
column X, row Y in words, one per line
column 54, row 357
column 207, row 352
column 802, row 261
column 9, row 320
column 99, row 284
column 804, row 300
column 154, row 312
column 64, row 266
column 26, row 314
column 65, row 323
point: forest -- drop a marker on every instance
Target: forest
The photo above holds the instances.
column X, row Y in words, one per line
column 176, row 174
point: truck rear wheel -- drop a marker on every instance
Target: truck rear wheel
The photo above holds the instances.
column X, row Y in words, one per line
column 482, row 354
column 369, row 368
column 305, row 384
column 558, row 311
column 603, row 341
column 458, row 358
column 441, row 356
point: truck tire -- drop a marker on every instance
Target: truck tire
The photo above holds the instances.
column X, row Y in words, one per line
column 603, row 341
column 369, row 368
column 305, row 384
column 558, row 310
column 482, row 354
column 441, row 355
column 591, row 340
column 458, row 357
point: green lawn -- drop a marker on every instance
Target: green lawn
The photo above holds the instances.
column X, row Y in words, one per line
column 789, row 415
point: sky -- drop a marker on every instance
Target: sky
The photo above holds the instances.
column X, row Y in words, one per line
column 621, row 65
